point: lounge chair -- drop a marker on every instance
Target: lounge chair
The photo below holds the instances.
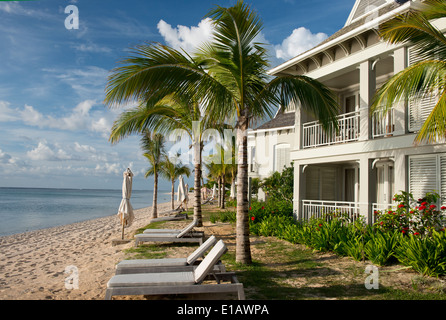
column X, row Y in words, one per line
column 169, row 264
column 173, row 283
column 186, row 229
column 166, row 235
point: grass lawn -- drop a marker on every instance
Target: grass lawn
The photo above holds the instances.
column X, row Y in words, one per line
column 285, row 271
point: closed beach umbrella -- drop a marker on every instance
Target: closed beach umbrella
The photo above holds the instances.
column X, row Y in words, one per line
column 186, row 188
column 182, row 194
column 125, row 211
column 214, row 191
column 232, row 196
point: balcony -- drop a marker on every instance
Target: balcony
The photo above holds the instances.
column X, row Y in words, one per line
column 383, row 125
column 315, row 136
column 349, row 129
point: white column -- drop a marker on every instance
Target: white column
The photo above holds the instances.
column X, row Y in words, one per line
column 364, row 184
column 296, row 190
column 367, row 87
column 399, row 64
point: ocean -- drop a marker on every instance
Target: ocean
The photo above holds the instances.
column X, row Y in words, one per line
column 27, row 209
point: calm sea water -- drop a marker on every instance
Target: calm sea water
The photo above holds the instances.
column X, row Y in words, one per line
column 26, row 209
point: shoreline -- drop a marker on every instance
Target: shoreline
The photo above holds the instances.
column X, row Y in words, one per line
column 33, row 263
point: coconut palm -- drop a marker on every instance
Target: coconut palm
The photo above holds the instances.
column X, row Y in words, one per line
column 153, row 145
column 180, row 113
column 425, row 78
column 171, row 170
column 228, row 77
column 242, row 89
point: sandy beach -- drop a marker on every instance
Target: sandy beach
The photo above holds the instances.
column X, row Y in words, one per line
column 33, row 264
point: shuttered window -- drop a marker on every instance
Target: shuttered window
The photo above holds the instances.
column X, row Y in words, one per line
column 321, row 183
column 420, row 108
column 427, row 173
column 281, row 157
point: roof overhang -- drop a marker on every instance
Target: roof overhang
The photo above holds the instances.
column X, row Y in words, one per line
column 337, row 41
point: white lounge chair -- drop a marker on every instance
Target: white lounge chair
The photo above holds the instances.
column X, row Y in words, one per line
column 172, row 283
column 168, row 264
column 166, row 235
column 186, row 229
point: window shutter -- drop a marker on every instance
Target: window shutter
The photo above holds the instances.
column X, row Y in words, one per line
column 328, row 184
column 443, row 179
column 419, row 109
column 282, row 157
column 422, row 175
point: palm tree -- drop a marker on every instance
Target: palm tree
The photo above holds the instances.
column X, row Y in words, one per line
column 167, row 114
column 422, row 79
column 153, row 145
column 242, row 89
column 228, row 77
column 171, row 170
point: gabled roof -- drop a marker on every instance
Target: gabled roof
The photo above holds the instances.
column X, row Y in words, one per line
column 281, row 120
column 363, row 21
column 365, row 7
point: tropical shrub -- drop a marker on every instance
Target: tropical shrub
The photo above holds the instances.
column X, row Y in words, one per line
column 380, row 247
column 420, row 217
column 426, row 255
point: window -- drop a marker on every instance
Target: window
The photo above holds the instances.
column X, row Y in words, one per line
column 281, row 156
column 427, row 173
column 419, row 109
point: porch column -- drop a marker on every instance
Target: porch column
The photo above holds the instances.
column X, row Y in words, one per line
column 364, row 186
column 296, row 191
column 400, row 172
column 367, row 87
column 399, row 64
column 298, row 127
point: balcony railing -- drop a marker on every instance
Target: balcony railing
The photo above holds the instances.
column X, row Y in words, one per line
column 317, row 209
column 383, row 125
column 315, row 136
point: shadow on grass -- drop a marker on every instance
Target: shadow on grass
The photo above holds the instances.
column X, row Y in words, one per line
column 263, row 284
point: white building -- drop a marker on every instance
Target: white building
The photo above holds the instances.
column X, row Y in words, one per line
column 361, row 168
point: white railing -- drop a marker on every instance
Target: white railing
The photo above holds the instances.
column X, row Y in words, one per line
column 317, row 209
column 315, row 136
column 381, row 207
column 383, row 125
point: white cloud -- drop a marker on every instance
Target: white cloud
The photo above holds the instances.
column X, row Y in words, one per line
column 6, row 113
column 47, row 152
column 92, row 48
column 299, row 41
column 186, row 38
column 80, row 119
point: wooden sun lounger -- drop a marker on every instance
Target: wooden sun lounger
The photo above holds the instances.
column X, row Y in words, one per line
column 172, row 283
column 169, row 264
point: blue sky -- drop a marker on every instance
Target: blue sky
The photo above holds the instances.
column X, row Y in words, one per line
column 53, row 126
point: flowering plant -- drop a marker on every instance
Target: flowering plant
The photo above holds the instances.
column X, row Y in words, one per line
column 418, row 217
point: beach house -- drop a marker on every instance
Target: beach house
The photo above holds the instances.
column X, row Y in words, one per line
column 360, row 168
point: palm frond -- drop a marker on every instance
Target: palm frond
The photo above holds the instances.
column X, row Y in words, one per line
column 413, row 83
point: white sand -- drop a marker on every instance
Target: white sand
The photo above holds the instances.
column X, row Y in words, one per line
column 32, row 264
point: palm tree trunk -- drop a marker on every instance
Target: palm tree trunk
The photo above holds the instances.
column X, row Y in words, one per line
column 197, row 183
column 172, row 201
column 223, row 192
column 243, row 247
column 219, row 191
column 155, row 197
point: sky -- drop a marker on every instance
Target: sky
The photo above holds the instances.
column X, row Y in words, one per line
column 54, row 127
